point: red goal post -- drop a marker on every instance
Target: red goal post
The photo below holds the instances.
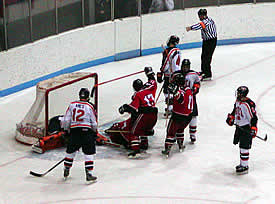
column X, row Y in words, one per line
column 53, row 96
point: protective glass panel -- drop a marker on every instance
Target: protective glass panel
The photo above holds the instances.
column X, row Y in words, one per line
column 97, row 11
column 154, row 6
column 2, row 36
column 43, row 18
column 196, row 3
column 69, row 14
column 18, row 22
column 125, row 8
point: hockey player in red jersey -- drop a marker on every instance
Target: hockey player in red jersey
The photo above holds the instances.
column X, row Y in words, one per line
column 245, row 118
column 119, row 132
column 171, row 59
column 150, row 85
column 142, row 121
column 181, row 113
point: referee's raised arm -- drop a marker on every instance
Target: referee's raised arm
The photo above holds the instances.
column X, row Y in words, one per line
column 209, row 37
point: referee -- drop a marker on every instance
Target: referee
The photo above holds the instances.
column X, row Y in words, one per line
column 209, row 37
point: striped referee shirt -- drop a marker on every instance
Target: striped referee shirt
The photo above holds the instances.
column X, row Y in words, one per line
column 207, row 27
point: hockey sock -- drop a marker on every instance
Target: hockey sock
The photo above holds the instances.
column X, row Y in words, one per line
column 193, row 127
column 180, row 137
column 89, row 162
column 135, row 143
column 144, row 143
column 69, row 159
column 244, row 157
column 169, row 141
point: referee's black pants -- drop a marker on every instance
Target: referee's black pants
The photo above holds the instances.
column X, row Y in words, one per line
column 208, row 48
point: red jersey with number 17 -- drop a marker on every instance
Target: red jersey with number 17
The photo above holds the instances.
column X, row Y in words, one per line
column 143, row 98
column 183, row 102
column 151, row 85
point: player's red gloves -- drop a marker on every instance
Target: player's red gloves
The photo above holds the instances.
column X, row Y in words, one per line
column 230, row 119
column 253, row 132
column 196, row 88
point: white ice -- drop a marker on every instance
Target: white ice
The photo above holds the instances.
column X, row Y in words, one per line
column 203, row 173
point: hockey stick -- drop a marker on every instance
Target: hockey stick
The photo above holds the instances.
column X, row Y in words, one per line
column 264, row 139
column 41, row 175
column 96, row 85
column 159, row 94
column 106, row 141
column 261, row 138
column 122, row 131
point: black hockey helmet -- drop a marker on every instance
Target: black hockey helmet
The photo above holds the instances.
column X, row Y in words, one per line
column 179, row 79
column 137, row 84
column 173, row 39
column 149, row 71
column 241, row 92
column 84, row 93
column 185, row 65
column 202, row 12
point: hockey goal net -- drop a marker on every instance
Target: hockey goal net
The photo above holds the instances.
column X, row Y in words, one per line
column 53, row 96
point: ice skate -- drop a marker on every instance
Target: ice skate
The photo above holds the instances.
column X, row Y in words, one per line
column 181, row 146
column 206, row 78
column 134, row 154
column 66, row 173
column 166, row 152
column 90, row 178
column 193, row 139
column 37, row 147
column 242, row 170
column 237, row 167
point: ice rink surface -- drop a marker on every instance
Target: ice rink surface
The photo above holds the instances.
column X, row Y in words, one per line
column 203, row 173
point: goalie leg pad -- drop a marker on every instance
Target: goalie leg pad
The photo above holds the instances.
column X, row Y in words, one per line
column 49, row 142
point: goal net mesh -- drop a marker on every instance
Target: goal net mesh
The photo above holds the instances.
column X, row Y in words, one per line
column 53, row 96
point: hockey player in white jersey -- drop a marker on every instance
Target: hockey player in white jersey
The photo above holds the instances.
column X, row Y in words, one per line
column 245, row 118
column 171, row 58
column 80, row 121
column 193, row 82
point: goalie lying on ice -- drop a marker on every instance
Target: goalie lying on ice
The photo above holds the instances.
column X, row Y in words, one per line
column 56, row 137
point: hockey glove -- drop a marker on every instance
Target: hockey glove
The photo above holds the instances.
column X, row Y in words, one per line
column 253, row 132
column 172, row 88
column 121, row 109
column 196, row 88
column 230, row 119
column 159, row 77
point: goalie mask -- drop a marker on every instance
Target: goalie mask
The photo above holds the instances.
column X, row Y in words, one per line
column 241, row 92
column 84, row 93
column 137, row 84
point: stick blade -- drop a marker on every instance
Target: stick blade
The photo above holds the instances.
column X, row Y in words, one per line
column 265, row 137
column 35, row 174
